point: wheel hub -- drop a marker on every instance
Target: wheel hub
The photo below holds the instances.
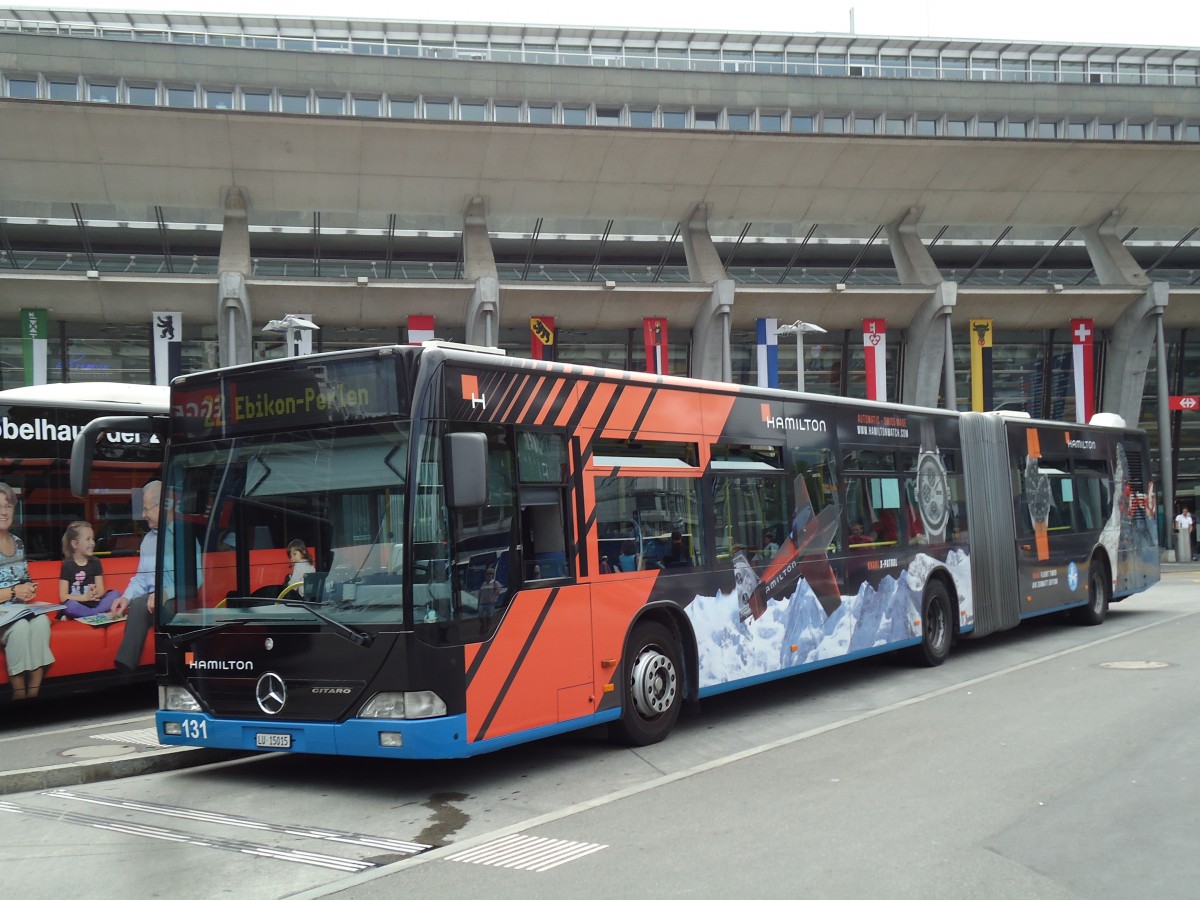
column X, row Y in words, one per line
column 653, row 683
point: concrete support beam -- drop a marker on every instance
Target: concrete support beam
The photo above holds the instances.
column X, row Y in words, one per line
column 235, row 320
column 479, row 265
column 914, row 265
column 710, row 335
column 703, row 262
column 1130, row 348
column 926, row 348
column 710, row 331
column 1113, row 263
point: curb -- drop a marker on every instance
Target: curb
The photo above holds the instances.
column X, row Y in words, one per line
column 88, row 771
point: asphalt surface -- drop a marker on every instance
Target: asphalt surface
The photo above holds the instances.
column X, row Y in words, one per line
column 54, row 757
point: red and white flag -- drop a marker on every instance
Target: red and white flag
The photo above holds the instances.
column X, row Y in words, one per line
column 875, row 352
column 420, row 328
column 1084, row 356
column 655, row 333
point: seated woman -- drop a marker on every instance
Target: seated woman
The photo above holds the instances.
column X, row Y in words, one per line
column 628, row 561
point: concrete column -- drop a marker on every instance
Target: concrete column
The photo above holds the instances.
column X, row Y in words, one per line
column 1113, row 263
column 928, row 351
column 914, row 265
column 926, row 348
column 710, row 331
column 235, row 321
column 1130, row 346
column 479, row 265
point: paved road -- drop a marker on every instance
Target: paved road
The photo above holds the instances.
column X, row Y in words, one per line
column 1029, row 765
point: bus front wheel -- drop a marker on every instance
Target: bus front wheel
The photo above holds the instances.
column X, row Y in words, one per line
column 937, row 626
column 1094, row 611
column 653, row 691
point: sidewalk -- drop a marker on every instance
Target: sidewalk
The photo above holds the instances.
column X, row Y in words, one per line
column 62, row 757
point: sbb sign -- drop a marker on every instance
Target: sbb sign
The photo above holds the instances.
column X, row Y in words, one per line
column 1185, row 403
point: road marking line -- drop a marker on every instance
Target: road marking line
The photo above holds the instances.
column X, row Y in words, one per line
column 520, row 851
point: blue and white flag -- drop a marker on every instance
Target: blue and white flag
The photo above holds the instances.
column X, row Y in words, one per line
column 768, row 353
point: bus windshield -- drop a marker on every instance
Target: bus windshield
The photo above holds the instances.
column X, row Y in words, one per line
column 274, row 524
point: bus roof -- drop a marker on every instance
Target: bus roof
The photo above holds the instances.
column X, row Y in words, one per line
column 147, row 398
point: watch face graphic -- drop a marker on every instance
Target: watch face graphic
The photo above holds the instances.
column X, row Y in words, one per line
column 1037, row 494
column 933, row 493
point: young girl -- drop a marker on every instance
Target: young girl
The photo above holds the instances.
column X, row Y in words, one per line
column 302, row 564
column 81, row 582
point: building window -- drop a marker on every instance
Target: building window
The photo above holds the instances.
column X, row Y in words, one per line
column 1071, row 72
column 575, row 115
column 1041, row 70
column 181, row 97
column 926, row 127
column 955, row 67
column 833, row 124
column 23, row 88
column 986, row 128
column 507, row 112
column 924, row 66
column 674, row 118
column 641, row 118
column 1135, row 131
column 770, row 122
column 831, row 63
column 738, row 121
column 1018, row 129
column 864, row 124
column 64, row 90
column 366, row 106
column 985, row 68
column 1158, row 74
column 1188, row 76
column 218, row 99
column 705, row 121
column 893, row 66
column 1106, row 131
column 256, row 101
column 1077, row 130
column 1101, row 72
column 896, row 126
column 102, row 93
column 802, row 124
column 1165, row 131
column 1129, row 73
column 608, row 115
column 801, row 63
column 1047, row 129
column 402, row 109
column 437, row 109
column 331, row 106
column 956, row 127
column 541, row 115
column 1012, row 69
column 293, row 103
column 1191, row 132
column 472, row 111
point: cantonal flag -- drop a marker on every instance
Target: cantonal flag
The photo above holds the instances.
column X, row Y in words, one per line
column 1083, row 356
column 420, row 328
column 875, row 353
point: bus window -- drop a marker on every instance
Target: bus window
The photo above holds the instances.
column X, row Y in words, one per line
column 649, row 523
column 542, row 497
column 874, row 503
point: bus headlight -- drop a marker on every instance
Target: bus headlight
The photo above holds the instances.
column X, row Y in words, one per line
column 175, row 698
column 406, row 705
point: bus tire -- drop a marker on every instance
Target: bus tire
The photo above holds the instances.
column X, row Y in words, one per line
column 937, row 626
column 653, row 688
column 1094, row 611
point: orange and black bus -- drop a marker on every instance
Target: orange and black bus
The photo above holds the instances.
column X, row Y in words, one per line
column 38, row 425
column 504, row 549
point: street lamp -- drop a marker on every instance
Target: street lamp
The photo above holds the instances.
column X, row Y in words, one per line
column 798, row 329
column 290, row 326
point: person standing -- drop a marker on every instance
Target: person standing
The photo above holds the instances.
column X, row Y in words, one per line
column 26, row 641
column 1186, row 524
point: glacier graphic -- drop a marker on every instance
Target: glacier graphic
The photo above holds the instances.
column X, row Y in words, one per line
column 731, row 650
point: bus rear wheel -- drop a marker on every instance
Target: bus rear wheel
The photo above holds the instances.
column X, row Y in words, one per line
column 653, row 691
column 937, row 627
column 1094, row 611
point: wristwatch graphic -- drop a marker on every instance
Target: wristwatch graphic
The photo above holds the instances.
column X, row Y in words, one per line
column 1037, row 496
column 933, row 487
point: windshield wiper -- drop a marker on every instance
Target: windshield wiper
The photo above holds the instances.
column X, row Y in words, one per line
column 188, row 636
column 362, row 638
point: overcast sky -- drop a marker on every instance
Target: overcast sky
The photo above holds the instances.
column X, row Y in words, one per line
column 1146, row 22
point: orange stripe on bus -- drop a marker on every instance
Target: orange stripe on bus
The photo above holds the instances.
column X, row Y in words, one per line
column 555, row 389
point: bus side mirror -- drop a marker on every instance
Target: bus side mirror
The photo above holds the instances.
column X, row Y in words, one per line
column 466, row 469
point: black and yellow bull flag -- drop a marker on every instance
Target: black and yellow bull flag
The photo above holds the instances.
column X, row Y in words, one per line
column 982, row 399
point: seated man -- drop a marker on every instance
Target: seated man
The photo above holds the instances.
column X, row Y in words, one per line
column 858, row 535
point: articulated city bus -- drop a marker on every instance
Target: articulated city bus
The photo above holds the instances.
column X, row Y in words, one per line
column 504, row 549
column 38, row 425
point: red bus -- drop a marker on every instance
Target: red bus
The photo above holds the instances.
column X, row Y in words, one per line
column 506, row 549
column 38, row 425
